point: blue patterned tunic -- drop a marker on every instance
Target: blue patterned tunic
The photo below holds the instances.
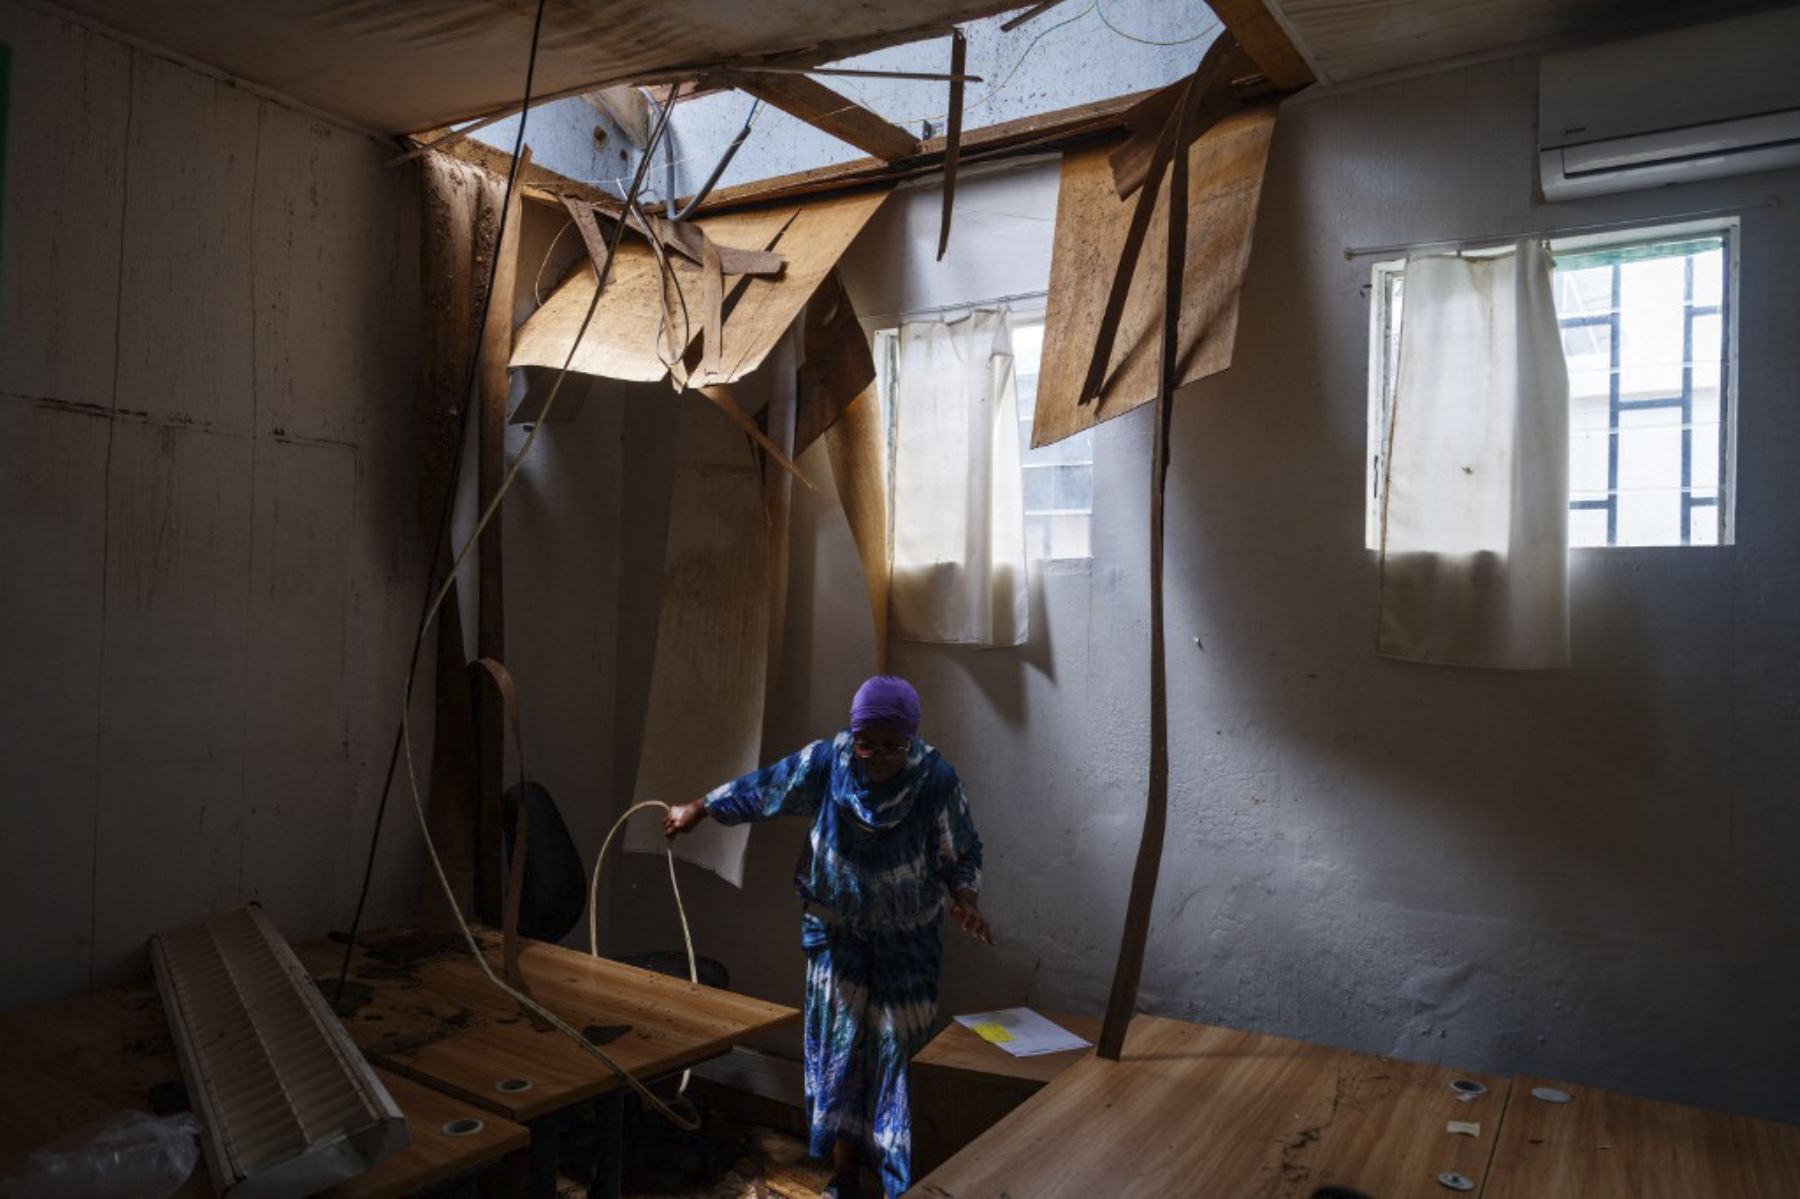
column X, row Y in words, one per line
column 875, row 877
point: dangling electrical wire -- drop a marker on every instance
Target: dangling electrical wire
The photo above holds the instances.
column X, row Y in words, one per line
column 442, row 528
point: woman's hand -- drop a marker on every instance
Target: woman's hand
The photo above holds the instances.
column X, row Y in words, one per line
column 683, row 817
column 964, row 910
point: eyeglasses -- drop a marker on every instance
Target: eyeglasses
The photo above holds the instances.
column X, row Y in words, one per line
column 866, row 747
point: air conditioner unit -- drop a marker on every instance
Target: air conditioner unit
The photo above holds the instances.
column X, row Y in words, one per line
column 1696, row 103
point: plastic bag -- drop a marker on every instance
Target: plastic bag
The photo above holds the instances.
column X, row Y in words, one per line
column 131, row 1155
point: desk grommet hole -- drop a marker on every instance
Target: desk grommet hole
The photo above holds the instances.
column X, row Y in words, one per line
column 1450, row 1180
column 1468, row 1086
column 512, row 1086
column 464, row 1126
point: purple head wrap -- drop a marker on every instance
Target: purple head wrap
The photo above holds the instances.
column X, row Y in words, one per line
column 887, row 698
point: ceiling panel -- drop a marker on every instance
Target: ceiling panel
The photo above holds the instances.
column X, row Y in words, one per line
column 1351, row 39
column 406, row 65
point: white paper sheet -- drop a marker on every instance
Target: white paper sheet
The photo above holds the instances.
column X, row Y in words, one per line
column 1021, row 1032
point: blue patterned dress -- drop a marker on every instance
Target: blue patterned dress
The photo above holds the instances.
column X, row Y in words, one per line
column 875, row 877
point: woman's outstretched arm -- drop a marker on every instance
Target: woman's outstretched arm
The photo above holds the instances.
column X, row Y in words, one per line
column 794, row 786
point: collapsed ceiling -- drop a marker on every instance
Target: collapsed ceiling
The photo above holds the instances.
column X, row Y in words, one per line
column 399, row 66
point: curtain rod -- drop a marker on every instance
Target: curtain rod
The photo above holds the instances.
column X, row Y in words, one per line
column 1500, row 239
column 985, row 302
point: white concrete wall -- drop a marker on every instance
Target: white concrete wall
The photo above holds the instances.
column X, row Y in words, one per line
column 209, row 518
column 1586, row 873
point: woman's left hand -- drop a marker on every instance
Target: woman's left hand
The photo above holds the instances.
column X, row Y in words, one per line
column 968, row 915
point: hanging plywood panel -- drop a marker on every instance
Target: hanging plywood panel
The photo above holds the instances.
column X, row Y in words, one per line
column 705, row 718
column 1225, row 183
column 622, row 339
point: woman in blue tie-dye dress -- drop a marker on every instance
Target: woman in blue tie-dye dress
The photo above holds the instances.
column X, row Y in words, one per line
column 892, row 848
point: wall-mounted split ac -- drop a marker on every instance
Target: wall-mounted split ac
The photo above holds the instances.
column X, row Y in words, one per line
column 1696, row 103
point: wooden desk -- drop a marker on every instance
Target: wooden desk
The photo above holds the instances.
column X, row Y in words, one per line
column 1602, row 1143
column 1197, row 1110
column 961, row 1086
column 422, row 1007
column 435, row 1018
column 82, row 1059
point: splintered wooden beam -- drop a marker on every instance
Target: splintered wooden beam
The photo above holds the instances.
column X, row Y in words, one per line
column 1122, row 1003
column 811, row 101
column 1266, row 42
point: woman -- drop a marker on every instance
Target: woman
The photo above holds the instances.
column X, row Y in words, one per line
column 892, row 846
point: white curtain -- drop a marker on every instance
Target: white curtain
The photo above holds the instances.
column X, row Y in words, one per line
column 1474, row 523
column 959, row 571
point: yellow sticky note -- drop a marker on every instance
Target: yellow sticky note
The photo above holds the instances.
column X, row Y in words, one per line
column 995, row 1034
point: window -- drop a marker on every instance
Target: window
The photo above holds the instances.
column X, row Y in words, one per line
column 1058, row 479
column 1647, row 330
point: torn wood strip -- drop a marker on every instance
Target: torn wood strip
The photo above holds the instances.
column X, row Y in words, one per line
column 1266, row 41
column 589, row 229
column 725, row 401
column 959, row 49
column 1146, row 120
column 712, row 301
column 490, row 639
column 1225, row 174
column 1122, row 1003
column 857, row 445
column 838, row 364
column 1208, row 77
column 809, row 100
column 821, row 231
column 690, row 241
column 1035, row 11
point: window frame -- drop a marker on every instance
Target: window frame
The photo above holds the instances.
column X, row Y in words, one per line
column 884, row 342
column 1383, row 363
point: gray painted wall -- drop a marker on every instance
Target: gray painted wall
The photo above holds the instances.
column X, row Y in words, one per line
column 208, row 508
column 1585, row 873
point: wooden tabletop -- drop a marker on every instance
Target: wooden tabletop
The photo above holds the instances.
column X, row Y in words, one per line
column 429, row 1013
column 1197, row 1110
column 959, row 1051
column 450, row 1138
column 1602, row 1143
column 79, row 1060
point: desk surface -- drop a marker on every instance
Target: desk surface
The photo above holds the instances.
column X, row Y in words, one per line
column 427, row 1011
column 959, row 1051
column 1197, row 1110
column 82, row 1059
column 1603, row 1143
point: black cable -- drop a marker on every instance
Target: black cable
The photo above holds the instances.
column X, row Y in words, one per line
column 441, row 533
column 712, row 180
